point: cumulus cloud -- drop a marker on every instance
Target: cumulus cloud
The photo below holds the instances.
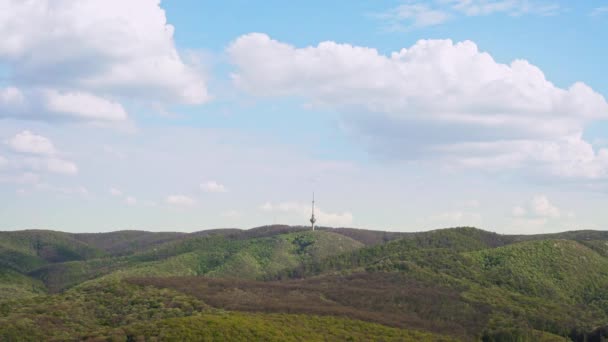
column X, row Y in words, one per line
column 539, row 215
column 180, row 200
column 109, row 50
column 27, row 142
column 36, row 152
column 213, row 186
column 539, row 207
column 85, row 106
column 437, row 98
column 303, row 212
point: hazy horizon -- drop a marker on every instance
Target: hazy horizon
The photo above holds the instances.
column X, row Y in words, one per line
column 284, row 225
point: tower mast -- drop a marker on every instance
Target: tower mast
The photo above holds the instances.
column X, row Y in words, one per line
column 312, row 218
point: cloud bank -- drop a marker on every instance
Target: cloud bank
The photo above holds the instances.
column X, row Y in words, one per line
column 110, row 51
column 435, row 99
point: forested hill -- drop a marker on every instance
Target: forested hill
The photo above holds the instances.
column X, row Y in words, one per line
column 343, row 283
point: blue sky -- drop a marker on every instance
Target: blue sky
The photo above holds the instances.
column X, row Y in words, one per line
column 188, row 115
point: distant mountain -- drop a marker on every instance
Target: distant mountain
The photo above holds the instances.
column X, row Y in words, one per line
column 461, row 283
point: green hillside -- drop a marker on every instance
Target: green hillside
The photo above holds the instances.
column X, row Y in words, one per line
column 559, row 269
column 121, row 312
column 255, row 284
column 44, row 246
column 557, row 286
column 16, row 285
column 270, row 327
column 211, row 256
column 218, row 256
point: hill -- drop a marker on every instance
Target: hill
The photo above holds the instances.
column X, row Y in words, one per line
column 28, row 249
column 120, row 311
column 465, row 283
column 214, row 255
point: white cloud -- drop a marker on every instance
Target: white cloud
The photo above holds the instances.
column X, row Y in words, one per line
column 180, row 200
column 85, row 106
column 11, row 97
column 511, row 7
column 130, row 200
column 416, row 14
column 599, row 11
column 109, row 50
column 3, row 162
column 473, row 88
column 537, row 215
column 539, row 207
column 27, row 142
column 115, row 192
column 436, row 99
column 213, row 186
column 303, row 212
column 51, row 104
column 36, row 152
column 563, row 157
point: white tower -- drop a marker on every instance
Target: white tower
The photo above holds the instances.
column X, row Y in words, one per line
column 312, row 218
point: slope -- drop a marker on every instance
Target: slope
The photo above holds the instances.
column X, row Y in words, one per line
column 212, row 256
column 557, row 286
column 256, row 258
column 114, row 310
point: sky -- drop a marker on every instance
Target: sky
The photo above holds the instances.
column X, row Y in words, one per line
column 399, row 115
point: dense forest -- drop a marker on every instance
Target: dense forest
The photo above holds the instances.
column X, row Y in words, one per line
column 282, row 283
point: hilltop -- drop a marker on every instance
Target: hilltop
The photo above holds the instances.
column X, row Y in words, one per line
column 461, row 283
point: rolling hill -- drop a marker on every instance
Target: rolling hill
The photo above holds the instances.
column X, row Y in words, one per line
column 460, row 283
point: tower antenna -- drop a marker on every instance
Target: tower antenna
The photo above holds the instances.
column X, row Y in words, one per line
column 312, row 218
